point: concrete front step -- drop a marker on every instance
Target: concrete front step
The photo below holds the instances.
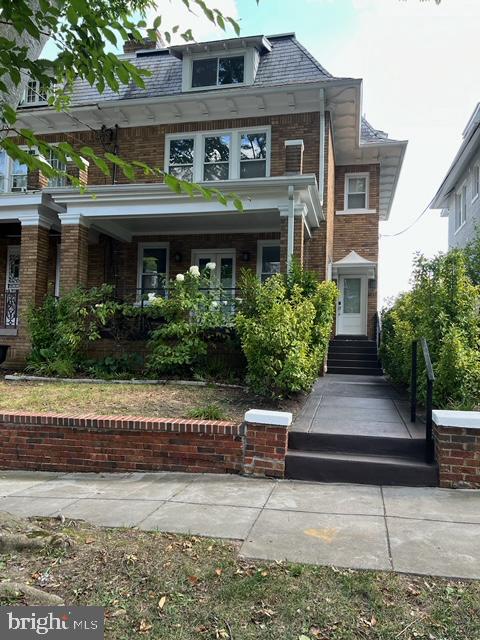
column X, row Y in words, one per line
column 368, row 445
column 352, row 348
column 353, row 362
column 359, row 469
column 334, row 354
column 357, row 370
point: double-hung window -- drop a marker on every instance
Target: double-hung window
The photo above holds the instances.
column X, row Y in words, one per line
column 3, row 171
column 218, row 71
column 219, row 155
column 268, row 259
column 475, row 181
column 56, row 163
column 152, row 269
column 356, row 191
column 461, row 207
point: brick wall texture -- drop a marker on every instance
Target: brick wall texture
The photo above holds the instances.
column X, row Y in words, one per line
column 91, row 259
column 457, row 451
column 54, row 442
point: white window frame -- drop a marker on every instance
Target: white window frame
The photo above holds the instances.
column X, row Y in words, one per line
column 260, row 245
column 37, row 99
column 461, row 197
column 234, row 159
column 151, row 245
column 475, row 181
column 249, row 57
column 366, row 209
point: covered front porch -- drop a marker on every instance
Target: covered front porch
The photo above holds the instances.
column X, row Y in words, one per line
column 138, row 237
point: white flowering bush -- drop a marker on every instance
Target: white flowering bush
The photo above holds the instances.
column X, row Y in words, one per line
column 190, row 313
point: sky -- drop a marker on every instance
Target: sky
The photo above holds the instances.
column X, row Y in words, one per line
column 419, row 62
column 421, row 81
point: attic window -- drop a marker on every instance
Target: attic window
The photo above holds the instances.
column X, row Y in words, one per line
column 35, row 93
column 211, row 72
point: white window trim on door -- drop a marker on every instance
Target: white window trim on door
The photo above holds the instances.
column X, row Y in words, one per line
column 151, row 245
column 229, row 253
column 234, row 156
column 364, row 302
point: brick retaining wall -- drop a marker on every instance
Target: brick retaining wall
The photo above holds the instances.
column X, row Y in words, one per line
column 58, row 442
column 457, row 451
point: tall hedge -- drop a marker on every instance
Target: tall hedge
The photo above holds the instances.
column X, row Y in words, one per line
column 443, row 307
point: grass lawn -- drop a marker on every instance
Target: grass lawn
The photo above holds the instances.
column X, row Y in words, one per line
column 167, row 401
column 167, row 587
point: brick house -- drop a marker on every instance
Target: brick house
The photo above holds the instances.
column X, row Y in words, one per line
column 257, row 116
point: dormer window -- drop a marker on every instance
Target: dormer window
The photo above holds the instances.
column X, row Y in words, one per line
column 35, row 93
column 211, row 72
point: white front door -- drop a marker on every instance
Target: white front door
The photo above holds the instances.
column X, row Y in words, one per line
column 223, row 276
column 352, row 305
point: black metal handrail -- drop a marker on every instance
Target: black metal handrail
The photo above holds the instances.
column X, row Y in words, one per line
column 378, row 330
column 429, row 446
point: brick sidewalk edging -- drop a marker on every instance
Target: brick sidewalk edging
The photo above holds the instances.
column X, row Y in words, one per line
column 61, row 442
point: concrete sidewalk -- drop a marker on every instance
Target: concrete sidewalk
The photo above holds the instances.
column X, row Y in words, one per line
column 417, row 530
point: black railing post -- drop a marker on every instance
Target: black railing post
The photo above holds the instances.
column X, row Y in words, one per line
column 429, row 451
column 413, row 384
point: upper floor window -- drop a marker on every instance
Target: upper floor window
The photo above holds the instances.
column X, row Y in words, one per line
column 211, row 72
column 219, row 155
column 356, row 191
column 460, row 207
column 475, row 182
column 14, row 173
column 35, row 93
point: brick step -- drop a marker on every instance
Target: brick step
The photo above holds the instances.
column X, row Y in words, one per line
column 360, row 371
column 359, row 469
column 368, row 445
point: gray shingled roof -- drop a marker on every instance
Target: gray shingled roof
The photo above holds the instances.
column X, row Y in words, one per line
column 288, row 63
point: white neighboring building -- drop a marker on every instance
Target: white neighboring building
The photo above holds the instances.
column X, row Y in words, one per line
column 459, row 193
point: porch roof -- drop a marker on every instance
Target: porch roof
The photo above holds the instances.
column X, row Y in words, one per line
column 124, row 210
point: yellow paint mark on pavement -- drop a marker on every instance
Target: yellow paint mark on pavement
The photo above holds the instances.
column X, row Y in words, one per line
column 327, row 535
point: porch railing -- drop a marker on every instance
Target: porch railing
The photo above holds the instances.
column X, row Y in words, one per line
column 9, row 308
column 226, row 297
column 430, row 379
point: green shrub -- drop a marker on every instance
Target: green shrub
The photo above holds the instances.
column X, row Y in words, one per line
column 442, row 307
column 284, row 332
column 113, row 367
column 60, row 330
column 191, row 312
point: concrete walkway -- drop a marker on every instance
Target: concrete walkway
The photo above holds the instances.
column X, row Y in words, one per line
column 414, row 530
column 357, row 405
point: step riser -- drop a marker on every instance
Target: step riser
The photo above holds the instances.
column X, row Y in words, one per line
column 349, row 355
column 354, row 345
column 364, row 364
column 361, row 371
column 368, row 445
column 352, row 349
column 358, row 472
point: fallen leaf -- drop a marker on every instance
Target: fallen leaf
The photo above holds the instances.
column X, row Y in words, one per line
column 89, row 540
column 193, row 579
column 219, row 571
column 144, row 626
column 161, row 602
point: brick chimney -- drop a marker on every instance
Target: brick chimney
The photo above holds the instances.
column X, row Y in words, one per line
column 130, row 46
column 293, row 157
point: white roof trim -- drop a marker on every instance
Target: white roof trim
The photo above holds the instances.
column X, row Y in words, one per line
column 354, row 259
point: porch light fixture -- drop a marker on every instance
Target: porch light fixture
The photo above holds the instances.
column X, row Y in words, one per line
column 245, row 256
column 177, row 257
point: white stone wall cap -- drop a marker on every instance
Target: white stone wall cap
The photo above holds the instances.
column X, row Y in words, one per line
column 462, row 419
column 261, row 416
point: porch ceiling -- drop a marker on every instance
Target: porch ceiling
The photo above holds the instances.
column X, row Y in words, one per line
column 213, row 223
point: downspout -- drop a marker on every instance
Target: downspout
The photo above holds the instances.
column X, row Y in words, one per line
column 291, row 226
column 321, row 171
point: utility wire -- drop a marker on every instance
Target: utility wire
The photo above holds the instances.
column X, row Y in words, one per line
column 413, row 223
